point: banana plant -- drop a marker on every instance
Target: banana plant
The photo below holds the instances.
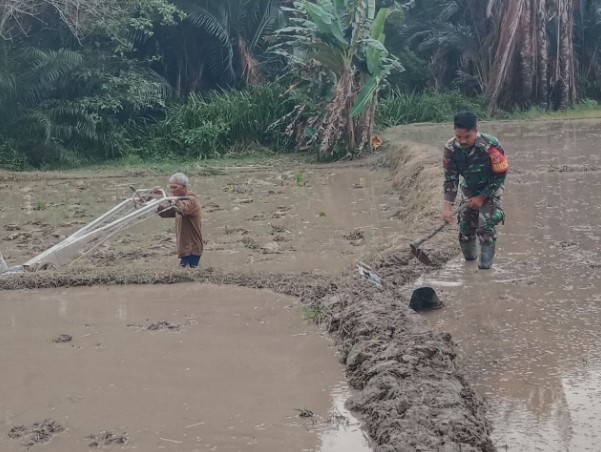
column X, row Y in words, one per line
column 344, row 40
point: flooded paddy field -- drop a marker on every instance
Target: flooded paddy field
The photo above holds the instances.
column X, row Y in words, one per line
column 186, row 367
column 530, row 330
column 527, row 332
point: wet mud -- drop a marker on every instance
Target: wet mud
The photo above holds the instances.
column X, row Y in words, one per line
column 265, row 220
column 529, row 330
column 408, row 386
column 245, row 371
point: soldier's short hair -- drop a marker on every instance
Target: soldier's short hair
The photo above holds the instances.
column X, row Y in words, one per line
column 465, row 120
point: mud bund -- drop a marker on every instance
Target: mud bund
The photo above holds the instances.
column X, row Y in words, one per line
column 410, row 389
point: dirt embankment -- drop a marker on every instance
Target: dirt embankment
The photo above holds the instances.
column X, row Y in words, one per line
column 410, row 386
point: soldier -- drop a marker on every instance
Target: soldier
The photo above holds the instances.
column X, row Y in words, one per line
column 481, row 162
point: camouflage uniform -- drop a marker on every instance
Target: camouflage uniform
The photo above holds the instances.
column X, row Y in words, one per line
column 473, row 164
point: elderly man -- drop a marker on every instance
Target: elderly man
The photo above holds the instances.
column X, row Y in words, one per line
column 187, row 221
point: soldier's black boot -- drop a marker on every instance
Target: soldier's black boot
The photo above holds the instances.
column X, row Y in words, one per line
column 487, row 254
column 469, row 248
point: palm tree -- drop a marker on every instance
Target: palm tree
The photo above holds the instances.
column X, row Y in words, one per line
column 214, row 44
column 587, row 37
column 452, row 35
column 538, row 36
column 55, row 106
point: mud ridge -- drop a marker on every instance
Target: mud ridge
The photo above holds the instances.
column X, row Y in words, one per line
column 411, row 390
column 409, row 382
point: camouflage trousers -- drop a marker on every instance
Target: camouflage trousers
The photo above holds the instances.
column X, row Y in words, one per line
column 481, row 222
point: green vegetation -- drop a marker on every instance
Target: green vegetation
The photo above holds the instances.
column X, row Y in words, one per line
column 313, row 313
column 299, row 179
column 215, row 124
column 40, row 205
column 156, row 82
column 440, row 106
column 432, row 106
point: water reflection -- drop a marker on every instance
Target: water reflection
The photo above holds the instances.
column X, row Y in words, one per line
column 343, row 433
column 530, row 330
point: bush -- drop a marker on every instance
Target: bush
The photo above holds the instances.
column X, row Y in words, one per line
column 10, row 158
column 211, row 125
column 432, row 106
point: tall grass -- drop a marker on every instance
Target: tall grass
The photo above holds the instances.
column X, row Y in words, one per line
column 213, row 125
column 439, row 106
column 433, row 106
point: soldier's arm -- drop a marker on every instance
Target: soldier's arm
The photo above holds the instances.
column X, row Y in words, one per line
column 451, row 175
column 498, row 180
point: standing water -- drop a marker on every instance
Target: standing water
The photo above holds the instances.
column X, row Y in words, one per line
column 530, row 329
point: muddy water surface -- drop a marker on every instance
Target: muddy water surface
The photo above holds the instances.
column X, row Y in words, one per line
column 530, row 329
column 181, row 368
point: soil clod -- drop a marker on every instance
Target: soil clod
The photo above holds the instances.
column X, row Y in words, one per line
column 164, row 325
column 107, row 438
column 63, row 338
column 39, row 432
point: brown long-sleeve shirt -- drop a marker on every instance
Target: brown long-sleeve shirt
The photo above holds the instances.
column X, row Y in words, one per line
column 187, row 225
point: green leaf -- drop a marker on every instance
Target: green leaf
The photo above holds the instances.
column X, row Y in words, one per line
column 324, row 20
column 329, row 57
column 377, row 30
column 365, row 96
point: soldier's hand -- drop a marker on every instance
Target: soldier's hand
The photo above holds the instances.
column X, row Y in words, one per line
column 447, row 212
column 476, row 202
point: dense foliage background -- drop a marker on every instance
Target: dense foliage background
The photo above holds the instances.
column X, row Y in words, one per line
column 93, row 80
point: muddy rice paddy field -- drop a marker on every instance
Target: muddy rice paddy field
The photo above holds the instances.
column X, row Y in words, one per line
column 231, row 357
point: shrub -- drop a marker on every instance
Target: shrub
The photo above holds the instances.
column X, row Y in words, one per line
column 210, row 125
column 432, row 106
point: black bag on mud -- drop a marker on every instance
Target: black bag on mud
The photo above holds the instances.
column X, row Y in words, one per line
column 425, row 299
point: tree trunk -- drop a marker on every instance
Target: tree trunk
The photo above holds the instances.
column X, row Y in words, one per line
column 337, row 119
column 527, row 51
column 439, row 64
column 364, row 125
column 542, row 57
column 567, row 76
column 503, row 56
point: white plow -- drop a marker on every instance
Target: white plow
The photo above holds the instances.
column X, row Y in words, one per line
column 143, row 204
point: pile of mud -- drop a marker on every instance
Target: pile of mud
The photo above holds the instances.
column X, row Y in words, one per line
column 410, row 387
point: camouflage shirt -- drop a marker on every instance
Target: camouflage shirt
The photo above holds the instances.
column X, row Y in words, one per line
column 474, row 165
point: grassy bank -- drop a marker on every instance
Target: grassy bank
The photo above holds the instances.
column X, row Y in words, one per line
column 249, row 127
column 439, row 106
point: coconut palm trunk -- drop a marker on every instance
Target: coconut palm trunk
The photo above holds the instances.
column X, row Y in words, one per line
column 565, row 73
column 509, row 35
column 527, row 55
column 542, row 53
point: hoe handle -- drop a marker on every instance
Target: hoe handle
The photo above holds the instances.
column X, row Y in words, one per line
column 431, row 234
column 440, row 227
